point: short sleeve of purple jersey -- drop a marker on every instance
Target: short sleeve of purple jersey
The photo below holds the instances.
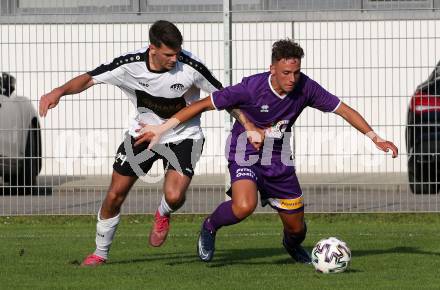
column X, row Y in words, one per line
column 320, row 98
column 230, row 97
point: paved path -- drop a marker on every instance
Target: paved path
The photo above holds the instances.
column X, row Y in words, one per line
column 323, row 193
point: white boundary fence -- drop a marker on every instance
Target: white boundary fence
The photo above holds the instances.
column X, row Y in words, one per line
column 373, row 60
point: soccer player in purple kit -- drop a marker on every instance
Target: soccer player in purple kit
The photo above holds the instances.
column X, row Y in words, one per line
column 271, row 101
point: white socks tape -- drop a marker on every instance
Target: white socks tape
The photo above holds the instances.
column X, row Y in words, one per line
column 105, row 231
column 164, row 209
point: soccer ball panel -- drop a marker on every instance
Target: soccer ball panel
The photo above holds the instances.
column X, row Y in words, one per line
column 331, row 256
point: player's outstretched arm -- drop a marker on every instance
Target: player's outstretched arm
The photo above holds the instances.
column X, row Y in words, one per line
column 357, row 121
column 74, row 86
column 152, row 134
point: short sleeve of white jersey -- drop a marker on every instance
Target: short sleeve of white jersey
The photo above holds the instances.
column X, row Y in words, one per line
column 204, row 84
column 110, row 73
column 203, row 78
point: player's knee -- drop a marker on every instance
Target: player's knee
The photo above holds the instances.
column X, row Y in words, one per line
column 243, row 209
column 114, row 199
column 296, row 229
column 174, row 197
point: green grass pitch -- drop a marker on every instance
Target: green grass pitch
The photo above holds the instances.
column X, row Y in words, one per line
column 390, row 251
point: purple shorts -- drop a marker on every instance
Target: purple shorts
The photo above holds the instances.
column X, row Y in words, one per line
column 277, row 184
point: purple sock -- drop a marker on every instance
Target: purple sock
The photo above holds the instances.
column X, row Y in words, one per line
column 222, row 216
column 294, row 240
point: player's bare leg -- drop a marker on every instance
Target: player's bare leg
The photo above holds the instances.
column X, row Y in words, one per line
column 295, row 231
column 108, row 217
column 243, row 203
column 174, row 188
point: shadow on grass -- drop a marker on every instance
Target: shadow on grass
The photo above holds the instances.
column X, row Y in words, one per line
column 222, row 257
column 272, row 256
column 183, row 258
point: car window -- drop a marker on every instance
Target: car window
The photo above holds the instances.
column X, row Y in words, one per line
column 432, row 87
column 435, row 73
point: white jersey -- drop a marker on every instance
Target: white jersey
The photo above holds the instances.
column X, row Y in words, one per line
column 157, row 95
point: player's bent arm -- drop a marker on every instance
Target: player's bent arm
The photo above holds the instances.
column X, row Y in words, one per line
column 74, row 86
column 152, row 134
column 192, row 110
column 356, row 120
column 239, row 116
column 255, row 135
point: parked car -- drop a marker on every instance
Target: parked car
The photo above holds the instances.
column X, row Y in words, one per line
column 20, row 136
column 423, row 136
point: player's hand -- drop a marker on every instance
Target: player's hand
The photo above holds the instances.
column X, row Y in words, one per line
column 148, row 133
column 255, row 136
column 49, row 101
column 385, row 145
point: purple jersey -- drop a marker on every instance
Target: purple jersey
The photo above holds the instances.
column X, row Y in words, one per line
column 256, row 98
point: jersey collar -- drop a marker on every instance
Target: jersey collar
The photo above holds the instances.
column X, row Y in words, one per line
column 273, row 90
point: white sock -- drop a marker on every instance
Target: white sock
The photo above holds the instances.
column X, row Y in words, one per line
column 164, row 208
column 105, row 231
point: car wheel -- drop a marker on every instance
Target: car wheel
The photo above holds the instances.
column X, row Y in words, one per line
column 423, row 177
column 29, row 168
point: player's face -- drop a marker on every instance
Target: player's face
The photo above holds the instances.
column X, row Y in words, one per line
column 164, row 57
column 285, row 75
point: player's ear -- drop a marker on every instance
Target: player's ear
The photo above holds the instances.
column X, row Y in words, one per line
column 272, row 69
column 152, row 48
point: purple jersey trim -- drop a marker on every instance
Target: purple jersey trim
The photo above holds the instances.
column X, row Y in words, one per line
column 337, row 106
column 212, row 101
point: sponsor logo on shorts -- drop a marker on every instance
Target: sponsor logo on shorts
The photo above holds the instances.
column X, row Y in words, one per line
column 288, row 204
column 244, row 172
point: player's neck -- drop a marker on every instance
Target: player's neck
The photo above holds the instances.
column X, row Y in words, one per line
column 153, row 65
column 277, row 88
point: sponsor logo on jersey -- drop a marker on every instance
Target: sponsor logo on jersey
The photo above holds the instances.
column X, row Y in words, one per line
column 163, row 107
column 145, row 85
column 177, row 87
column 264, row 109
column 276, row 130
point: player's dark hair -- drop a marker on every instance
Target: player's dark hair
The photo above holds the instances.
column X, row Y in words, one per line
column 165, row 32
column 286, row 49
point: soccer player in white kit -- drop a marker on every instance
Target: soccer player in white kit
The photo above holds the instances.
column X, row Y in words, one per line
column 159, row 80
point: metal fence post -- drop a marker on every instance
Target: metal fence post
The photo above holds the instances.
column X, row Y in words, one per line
column 227, row 42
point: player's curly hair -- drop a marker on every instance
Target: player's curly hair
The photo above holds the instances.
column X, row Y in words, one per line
column 165, row 32
column 286, row 49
